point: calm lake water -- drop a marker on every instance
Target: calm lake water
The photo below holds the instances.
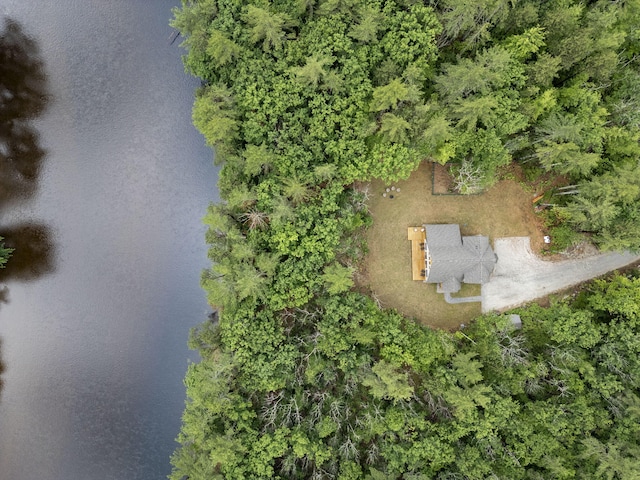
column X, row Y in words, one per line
column 102, row 188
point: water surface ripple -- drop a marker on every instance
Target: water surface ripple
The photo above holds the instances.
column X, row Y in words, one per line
column 108, row 184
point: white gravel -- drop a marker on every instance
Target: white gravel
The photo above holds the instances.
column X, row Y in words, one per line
column 520, row 276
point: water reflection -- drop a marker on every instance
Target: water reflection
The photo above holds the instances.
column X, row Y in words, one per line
column 4, row 295
column 1, row 368
column 33, row 254
column 95, row 352
column 23, row 97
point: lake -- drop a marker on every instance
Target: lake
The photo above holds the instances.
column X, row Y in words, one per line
column 105, row 182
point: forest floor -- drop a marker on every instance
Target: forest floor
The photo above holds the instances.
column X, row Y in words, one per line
column 506, row 210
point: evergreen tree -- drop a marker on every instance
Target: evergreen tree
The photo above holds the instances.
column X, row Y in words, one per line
column 5, row 253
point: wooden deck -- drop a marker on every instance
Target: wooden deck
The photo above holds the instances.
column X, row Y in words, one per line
column 417, row 235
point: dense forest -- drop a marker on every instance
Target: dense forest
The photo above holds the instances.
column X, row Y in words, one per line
column 302, row 377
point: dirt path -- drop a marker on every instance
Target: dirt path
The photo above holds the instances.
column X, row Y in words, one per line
column 520, row 276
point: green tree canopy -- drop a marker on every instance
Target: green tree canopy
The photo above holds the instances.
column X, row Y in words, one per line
column 305, row 377
column 5, row 253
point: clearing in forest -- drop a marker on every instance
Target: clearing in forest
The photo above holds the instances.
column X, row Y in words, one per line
column 503, row 211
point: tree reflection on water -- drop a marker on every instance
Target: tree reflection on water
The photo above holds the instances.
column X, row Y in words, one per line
column 23, row 97
column 1, row 368
column 33, row 252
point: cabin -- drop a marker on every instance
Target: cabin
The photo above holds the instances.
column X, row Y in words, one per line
column 446, row 258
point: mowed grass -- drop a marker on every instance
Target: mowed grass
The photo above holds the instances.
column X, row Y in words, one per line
column 503, row 211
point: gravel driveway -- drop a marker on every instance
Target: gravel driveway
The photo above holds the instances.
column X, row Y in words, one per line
column 520, row 276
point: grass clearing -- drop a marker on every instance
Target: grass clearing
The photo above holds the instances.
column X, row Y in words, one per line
column 503, row 211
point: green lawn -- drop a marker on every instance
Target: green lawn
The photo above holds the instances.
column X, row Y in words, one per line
column 505, row 210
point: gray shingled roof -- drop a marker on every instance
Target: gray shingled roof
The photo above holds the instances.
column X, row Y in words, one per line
column 443, row 235
column 456, row 259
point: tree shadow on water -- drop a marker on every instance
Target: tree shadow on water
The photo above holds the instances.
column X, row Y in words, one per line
column 23, row 98
column 2, row 368
column 33, row 255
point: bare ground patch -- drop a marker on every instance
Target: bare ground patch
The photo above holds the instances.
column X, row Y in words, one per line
column 505, row 210
column 442, row 180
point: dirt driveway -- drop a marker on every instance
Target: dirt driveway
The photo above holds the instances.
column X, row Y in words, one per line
column 520, row 276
